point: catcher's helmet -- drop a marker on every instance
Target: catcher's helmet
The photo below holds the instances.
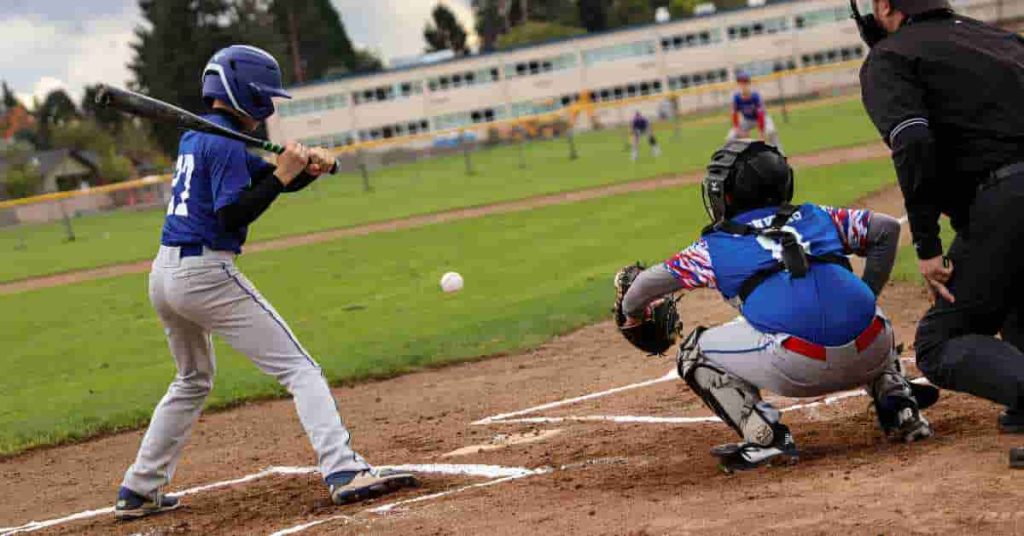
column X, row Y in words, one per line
column 916, row 7
column 744, row 175
column 245, row 77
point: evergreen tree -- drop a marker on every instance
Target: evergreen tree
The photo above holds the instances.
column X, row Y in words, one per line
column 314, row 38
column 172, row 50
column 490, row 23
column 445, row 32
column 593, row 14
column 56, row 110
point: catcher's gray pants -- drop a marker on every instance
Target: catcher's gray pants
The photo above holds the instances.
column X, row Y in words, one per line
column 771, row 135
column 761, row 360
column 197, row 296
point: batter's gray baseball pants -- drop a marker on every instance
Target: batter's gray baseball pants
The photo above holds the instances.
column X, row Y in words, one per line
column 198, row 296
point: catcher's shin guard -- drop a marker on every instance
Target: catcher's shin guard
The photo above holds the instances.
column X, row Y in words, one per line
column 898, row 403
column 732, row 399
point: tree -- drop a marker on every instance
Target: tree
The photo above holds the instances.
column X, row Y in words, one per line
column 536, row 32
column 9, row 100
column 22, row 178
column 629, row 12
column 445, row 32
column 490, row 23
column 593, row 14
column 172, row 48
column 682, row 8
column 108, row 119
column 56, row 110
column 315, row 38
column 114, row 167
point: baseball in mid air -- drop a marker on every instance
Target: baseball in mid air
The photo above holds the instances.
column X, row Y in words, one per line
column 451, row 282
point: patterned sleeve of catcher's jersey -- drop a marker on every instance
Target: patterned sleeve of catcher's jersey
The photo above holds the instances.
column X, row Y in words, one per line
column 692, row 267
column 852, row 225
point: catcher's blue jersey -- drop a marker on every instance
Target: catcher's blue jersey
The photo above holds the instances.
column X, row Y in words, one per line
column 211, row 172
column 829, row 306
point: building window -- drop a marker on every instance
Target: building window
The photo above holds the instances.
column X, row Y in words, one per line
column 310, row 105
column 625, row 91
column 703, row 78
column 541, row 66
column 463, row 79
column 702, row 38
column 401, row 90
column 833, row 55
column 384, row 132
column 762, row 27
column 330, row 141
column 831, row 15
column 764, row 67
column 463, row 119
column 542, row 106
column 618, row 52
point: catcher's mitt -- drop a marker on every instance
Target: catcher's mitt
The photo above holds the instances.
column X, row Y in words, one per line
column 660, row 326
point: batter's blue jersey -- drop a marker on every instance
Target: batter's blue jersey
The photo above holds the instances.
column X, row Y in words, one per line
column 830, row 305
column 748, row 107
column 211, row 173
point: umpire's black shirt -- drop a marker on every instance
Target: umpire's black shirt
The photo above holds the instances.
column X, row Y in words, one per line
column 947, row 94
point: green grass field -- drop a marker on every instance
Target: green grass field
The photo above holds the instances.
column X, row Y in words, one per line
column 91, row 357
column 428, row 186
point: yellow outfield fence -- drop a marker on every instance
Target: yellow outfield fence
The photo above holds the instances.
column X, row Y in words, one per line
column 561, row 121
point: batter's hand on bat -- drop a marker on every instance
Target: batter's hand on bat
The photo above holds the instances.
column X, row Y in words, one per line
column 320, row 161
column 291, row 162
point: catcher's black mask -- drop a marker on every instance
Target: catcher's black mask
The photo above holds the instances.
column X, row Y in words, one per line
column 744, row 175
column 871, row 31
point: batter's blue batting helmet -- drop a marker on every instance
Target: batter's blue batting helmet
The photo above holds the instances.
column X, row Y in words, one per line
column 742, row 76
column 245, row 77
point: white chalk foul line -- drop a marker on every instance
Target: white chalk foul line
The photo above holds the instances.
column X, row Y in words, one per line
column 671, row 375
column 479, row 470
column 504, row 474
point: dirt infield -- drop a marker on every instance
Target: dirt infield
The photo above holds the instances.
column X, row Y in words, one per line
column 630, row 461
column 828, row 157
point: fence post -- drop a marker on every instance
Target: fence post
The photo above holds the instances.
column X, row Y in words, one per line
column 465, row 152
column 363, row 171
column 782, row 100
column 520, row 142
column 68, row 230
column 573, row 155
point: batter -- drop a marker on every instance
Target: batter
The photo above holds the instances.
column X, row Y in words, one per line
column 197, row 290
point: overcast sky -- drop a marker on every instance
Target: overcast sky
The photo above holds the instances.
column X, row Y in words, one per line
column 72, row 43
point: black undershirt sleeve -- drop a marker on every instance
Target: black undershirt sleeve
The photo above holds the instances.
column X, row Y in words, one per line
column 252, row 202
column 255, row 200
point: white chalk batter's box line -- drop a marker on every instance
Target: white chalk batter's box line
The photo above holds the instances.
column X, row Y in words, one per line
column 496, row 474
column 518, row 417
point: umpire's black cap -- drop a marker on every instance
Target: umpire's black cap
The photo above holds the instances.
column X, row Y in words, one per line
column 916, row 7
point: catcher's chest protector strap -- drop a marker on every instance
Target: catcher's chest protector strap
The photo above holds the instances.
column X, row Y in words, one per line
column 794, row 259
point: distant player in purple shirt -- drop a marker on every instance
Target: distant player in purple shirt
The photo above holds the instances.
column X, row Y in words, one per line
column 748, row 112
column 639, row 127
column 218, row 190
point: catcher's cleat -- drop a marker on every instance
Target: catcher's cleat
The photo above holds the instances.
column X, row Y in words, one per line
column 901, row 420
column 349, row 487
column 131, row 505
column 734, row 457
column 1011, row 422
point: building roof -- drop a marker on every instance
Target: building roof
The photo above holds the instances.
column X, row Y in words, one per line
column 412, row 67
column 47, row 161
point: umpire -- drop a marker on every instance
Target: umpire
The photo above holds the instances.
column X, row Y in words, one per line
column 945, row 92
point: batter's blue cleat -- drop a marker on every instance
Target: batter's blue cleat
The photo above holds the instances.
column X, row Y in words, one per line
column 349, row 486
column 734, row 457
column 131, row 505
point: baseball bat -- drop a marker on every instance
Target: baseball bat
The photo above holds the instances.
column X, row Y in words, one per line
column 157, row 110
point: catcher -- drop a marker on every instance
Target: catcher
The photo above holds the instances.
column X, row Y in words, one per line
column 808, row 326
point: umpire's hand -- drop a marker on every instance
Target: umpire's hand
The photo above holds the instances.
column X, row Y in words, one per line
column 936, row 272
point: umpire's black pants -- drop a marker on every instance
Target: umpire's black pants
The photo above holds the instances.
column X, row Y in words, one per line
column 956, row 347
